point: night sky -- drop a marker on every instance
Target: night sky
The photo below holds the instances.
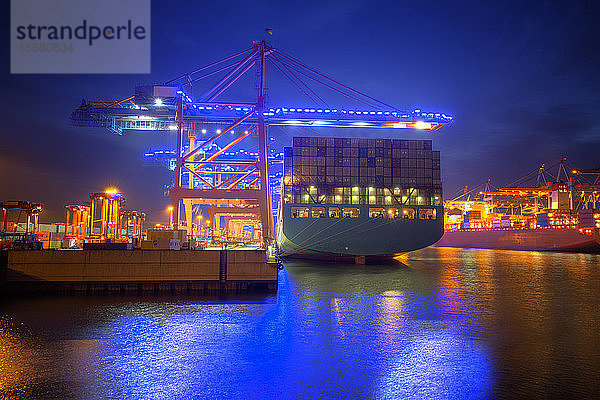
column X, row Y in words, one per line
column 520, row 78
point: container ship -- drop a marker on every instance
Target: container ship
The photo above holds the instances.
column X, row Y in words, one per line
column 350, row 197
column 560, row 216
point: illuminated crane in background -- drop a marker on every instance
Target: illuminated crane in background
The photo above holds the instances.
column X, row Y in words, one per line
column 207, row 170
column 546, row 187
column 588, row 172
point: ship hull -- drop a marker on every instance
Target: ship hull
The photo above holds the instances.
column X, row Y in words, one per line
column 552, row 239
column 339, row 238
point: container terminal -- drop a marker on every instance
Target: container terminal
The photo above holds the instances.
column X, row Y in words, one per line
column 223, row 190
column 553, row 208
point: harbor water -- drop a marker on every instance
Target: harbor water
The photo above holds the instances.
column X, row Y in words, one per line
column 442, row 323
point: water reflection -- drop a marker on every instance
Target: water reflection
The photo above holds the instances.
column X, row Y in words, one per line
column 438, row 364
column 391, row 317
column 445, row 323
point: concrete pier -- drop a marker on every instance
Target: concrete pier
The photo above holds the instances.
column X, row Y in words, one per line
column 183, row 271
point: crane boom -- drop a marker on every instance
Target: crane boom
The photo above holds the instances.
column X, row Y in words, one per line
column 128, row 115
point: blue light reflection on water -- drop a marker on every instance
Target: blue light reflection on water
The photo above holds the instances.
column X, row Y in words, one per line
column 303, row 343
column 439, row 365
column 449, row 323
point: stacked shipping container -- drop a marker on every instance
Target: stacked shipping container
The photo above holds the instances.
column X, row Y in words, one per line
column 361, row 171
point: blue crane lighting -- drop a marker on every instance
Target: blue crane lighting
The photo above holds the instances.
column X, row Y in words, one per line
column 161, row 117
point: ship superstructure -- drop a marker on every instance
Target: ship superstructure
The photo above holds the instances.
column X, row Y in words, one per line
column 359, row 197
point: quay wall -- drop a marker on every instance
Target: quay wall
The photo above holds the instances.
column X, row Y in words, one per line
column 137, row 270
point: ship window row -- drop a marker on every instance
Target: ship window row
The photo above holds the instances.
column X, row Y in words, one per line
column 363, row 200
column 354, row 212
column 355, row 190
column 366, row 196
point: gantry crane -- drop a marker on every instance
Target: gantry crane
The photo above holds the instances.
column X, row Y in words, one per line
column 104, row 223
column 10, row 235
column 553, row 188
column 227, row 183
